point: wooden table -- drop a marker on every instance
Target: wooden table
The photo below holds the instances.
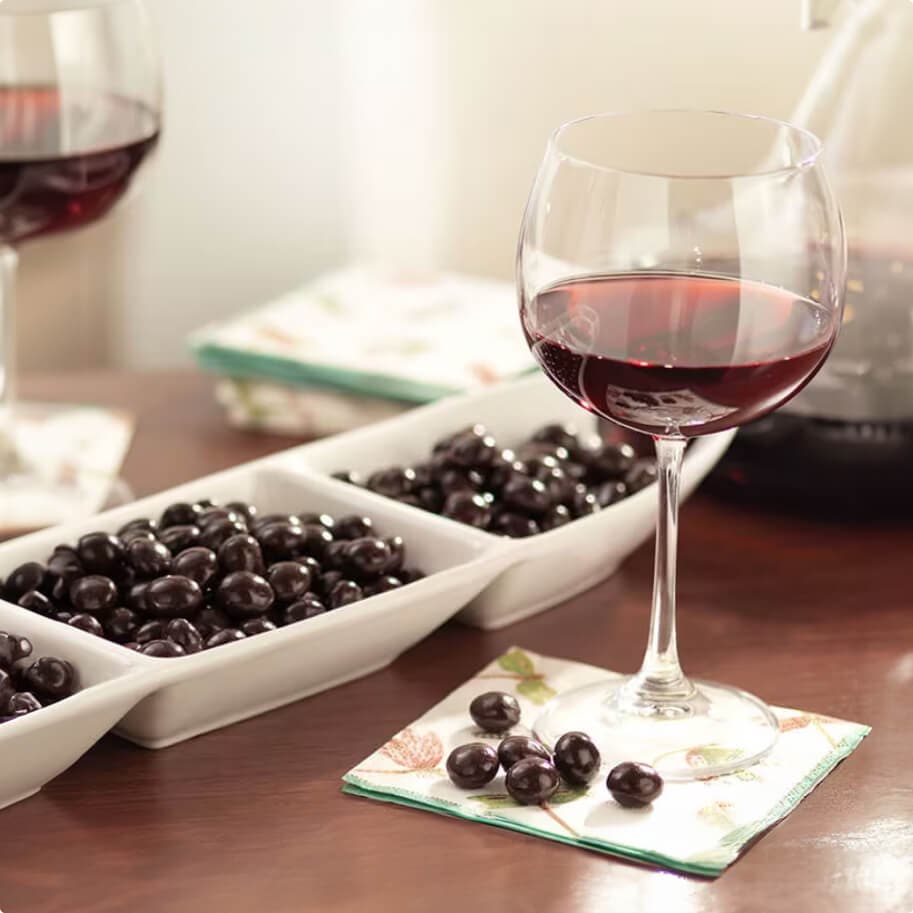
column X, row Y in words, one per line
column 807, row 614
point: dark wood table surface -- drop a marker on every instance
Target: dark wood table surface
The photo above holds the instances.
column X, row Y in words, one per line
column 808, row 614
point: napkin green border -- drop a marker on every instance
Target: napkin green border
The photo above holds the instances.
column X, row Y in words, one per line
column 730, row 845
column 734, row 843
column 219, row 359
column 355, row 786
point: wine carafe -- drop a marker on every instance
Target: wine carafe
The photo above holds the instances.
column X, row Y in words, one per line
column 846, row 442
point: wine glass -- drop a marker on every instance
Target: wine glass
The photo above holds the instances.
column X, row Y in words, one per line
column 680, row 273
column 80, row 103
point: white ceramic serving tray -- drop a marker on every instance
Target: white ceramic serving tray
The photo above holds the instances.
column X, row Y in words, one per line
column 491, row 581
column 37, row 747
column 194, row 694
column 542, row 570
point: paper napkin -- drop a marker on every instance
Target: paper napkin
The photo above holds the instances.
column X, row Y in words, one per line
column 77, row 452
column 699, row 827
column 369, row 332
column 263, row 405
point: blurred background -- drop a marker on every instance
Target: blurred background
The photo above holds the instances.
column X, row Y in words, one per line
column 303, row 135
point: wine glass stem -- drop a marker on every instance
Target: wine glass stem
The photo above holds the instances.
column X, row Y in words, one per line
column 9, row 456
column 660, row 677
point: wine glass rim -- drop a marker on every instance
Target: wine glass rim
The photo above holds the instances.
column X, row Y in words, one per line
column 806, row 161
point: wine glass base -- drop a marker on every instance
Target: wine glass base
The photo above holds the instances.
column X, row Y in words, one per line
column 716, row 730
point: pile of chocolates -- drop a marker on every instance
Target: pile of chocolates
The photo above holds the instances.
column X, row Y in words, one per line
column 204, row 575
column 554, row 477
column 28, row 684
column 533, row 774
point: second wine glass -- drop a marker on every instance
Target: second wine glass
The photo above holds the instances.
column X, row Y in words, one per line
column 680, row 273
column 80, row 110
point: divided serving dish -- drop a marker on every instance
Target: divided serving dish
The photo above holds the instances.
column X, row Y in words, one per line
column 488, row 580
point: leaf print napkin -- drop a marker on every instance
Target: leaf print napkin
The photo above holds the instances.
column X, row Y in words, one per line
column 699, row 827
column 77, row 451
column 450, row 333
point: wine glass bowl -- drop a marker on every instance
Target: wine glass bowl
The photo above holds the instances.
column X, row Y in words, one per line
column 66, row 158
column 680, row 273
column 80, row 109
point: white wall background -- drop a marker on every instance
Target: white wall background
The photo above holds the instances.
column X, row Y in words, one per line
column 301, row 133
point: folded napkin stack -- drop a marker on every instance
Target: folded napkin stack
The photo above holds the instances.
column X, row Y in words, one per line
column 362, row 344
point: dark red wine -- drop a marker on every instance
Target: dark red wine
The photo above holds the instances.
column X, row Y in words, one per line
column 677, row 354
column 66, row 157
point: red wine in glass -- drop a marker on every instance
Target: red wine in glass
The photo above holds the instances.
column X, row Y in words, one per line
column 677, row 354
column 66, row 157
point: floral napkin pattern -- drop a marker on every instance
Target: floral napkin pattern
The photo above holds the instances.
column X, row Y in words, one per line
column 699, row 827
column 262, row 405
column 372, row 333
column 77, row 452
